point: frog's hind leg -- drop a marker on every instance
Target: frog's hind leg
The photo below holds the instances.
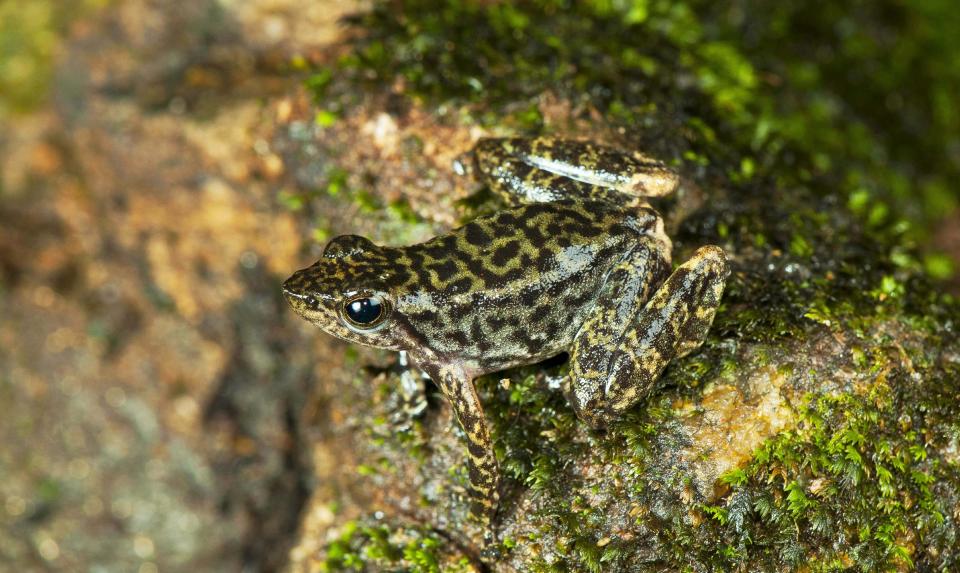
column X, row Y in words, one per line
column 549, row 169
column 615, row 360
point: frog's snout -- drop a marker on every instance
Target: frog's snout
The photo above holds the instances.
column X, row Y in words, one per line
column 290, row 286
column 295, row 292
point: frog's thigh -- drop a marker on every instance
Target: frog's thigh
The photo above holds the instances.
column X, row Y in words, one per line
column 581, row 166
column 612, row 371
column 517, row 181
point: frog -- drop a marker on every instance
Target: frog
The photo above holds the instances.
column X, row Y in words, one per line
column 577, row 263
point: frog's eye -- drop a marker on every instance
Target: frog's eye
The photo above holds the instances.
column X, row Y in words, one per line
column 364, row 311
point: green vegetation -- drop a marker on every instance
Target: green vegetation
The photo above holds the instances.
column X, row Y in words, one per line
column 397, row 220
column 855, row 470
column 366, row 547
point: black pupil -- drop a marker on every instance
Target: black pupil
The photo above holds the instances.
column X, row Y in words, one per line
column 364, row 310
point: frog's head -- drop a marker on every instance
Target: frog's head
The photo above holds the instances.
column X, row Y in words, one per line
column 346, row 292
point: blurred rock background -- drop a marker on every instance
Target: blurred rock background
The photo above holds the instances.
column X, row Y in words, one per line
column 164, row 165
column 152, row 389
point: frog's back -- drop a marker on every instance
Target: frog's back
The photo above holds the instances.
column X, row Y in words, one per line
column 513, row 287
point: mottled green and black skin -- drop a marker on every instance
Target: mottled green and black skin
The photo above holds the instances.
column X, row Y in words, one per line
column 579, row 264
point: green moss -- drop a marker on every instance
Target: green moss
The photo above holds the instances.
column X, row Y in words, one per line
column 364, row 546
column 853, row 482
column 733, row 119
column 338, row 189
column 532, row 447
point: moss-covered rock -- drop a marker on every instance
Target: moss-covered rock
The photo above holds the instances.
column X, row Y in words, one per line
column 818, row 426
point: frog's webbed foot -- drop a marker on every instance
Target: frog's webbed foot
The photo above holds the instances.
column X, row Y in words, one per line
column 617, row 358
column 549, row 169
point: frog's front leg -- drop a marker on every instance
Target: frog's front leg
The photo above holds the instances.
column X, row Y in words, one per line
column 459, row 389
column 411, row 394
column 625, row 344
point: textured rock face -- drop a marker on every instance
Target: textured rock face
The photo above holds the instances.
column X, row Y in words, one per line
column 164, row 410
column 153, row 414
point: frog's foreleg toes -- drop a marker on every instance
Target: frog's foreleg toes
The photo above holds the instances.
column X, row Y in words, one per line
column 412, row 391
